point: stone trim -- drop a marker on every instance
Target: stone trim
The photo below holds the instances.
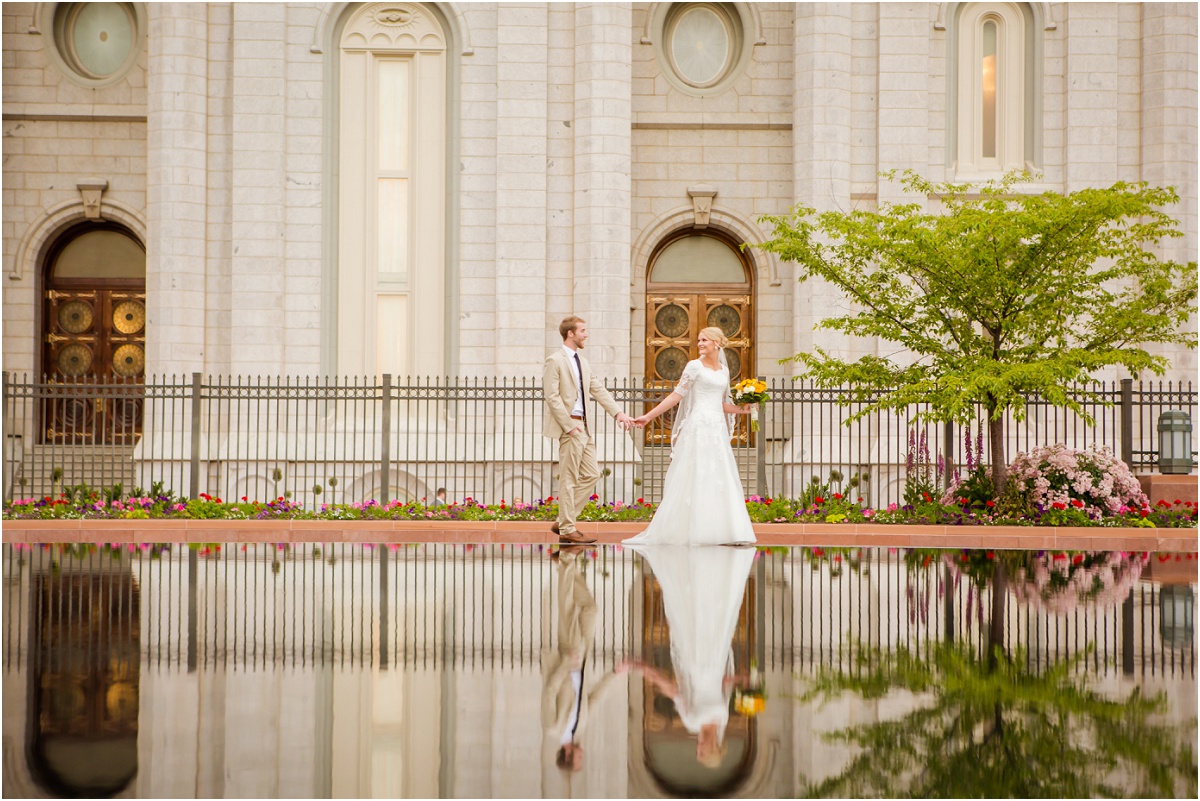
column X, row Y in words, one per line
column 57, row 219
column 684, row 218
column 75, row 118
column 323, row 32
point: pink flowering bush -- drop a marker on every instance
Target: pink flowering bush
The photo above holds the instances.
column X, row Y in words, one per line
column 1094, row 482
column 1059, row 582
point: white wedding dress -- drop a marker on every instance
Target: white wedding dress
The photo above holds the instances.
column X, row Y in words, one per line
column 702, row 591
column 703, row 501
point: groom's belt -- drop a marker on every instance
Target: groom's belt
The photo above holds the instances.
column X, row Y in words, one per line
column 577, row 417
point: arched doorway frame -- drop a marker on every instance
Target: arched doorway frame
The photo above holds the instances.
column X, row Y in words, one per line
column 734, row 227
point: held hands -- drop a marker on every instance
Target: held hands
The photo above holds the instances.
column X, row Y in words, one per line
column 625, row 421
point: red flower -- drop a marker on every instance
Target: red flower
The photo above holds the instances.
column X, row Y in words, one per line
column 1078, row 504
column 991, row 555
column 926, row 496
column 818, row 499
column 1058, row 506
column 243, row 499
column 641, row 500
column 1145, row 513
column 818, row 551
column 837, row 496
column 1077, row 558
column 990, row 504
column 593, row 497
column 964, row 501
column 962, row 557
column 859, row 500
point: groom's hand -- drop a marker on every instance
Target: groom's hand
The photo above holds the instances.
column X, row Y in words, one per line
column 624, row 421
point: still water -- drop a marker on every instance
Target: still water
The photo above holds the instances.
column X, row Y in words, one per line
column 511, row 671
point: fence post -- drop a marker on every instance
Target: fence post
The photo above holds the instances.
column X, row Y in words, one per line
column 760, row 449
column 1127, row 634
column 947, row 453
column 9, row 465
column 1127, row 421
column 194, row 480
column 385, row 455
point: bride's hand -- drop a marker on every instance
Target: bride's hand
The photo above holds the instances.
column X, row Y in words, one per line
column 640, row 422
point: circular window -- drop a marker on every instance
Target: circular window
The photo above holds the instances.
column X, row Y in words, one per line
column 97, row 42
column 700, row 45
column 703, row 46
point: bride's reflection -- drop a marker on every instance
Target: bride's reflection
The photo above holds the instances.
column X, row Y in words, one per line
column 702, row 591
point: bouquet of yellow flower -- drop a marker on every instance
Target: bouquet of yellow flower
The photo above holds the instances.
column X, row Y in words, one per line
column 751, row 391
column 750, row 700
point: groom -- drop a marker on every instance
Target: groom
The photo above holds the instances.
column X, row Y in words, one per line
column 566, row 384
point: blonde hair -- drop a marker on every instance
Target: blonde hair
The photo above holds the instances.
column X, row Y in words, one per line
column 716, row 335
column 568, row 325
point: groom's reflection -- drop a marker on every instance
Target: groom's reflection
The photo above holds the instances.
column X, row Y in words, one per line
column 702, row 591
column 569, row 686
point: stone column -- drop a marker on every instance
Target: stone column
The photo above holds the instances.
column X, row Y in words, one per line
column 1168, row 131
column 176, row 187
column 258, row 279
column 1092, row 93
column 603, row 197
column 821, row 142
column 1168, row 119
column 905, row 30
column 521, row 156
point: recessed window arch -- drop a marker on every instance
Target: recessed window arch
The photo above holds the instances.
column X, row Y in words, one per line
column 994, row 89
column 391, row 227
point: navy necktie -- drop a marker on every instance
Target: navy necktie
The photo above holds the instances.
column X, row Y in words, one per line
column 582, row 394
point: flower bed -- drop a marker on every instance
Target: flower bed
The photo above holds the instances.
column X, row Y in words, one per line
column 834, row 509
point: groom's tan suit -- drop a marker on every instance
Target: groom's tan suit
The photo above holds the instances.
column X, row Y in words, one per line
column 578, row 471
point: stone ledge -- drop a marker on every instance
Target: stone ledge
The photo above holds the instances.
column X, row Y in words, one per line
column 414, row 531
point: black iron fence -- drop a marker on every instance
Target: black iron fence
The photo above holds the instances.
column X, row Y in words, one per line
column 259, row 607
column 344, row 440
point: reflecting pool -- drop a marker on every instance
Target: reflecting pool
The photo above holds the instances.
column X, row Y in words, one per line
column 335, row 670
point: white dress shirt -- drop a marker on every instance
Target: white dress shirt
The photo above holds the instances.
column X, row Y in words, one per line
column 578, row 410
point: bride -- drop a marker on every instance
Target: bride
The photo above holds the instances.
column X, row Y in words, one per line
column 703, row 502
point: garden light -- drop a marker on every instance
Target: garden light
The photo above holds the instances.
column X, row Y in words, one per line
column 1174, row 443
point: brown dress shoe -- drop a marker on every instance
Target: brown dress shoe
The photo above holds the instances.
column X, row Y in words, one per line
column 576, row 538
column 554, row 528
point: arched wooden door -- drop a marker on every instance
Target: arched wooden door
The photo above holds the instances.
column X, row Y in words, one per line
column 696, row 280
column 93, row 326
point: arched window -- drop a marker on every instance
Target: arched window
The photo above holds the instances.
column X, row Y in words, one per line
column 994, row 99
column 391, row 191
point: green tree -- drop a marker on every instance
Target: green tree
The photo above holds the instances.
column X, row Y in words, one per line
column 997, row 295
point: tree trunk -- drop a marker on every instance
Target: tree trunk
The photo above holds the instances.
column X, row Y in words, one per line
column 999, row 463
column 995, row 639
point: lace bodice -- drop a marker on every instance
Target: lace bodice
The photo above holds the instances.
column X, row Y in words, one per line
column 704, row 392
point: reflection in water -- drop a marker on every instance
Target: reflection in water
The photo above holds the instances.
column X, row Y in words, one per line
column 992, row 726
column 84, row 680
column 436, row 670
column 687, row 704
